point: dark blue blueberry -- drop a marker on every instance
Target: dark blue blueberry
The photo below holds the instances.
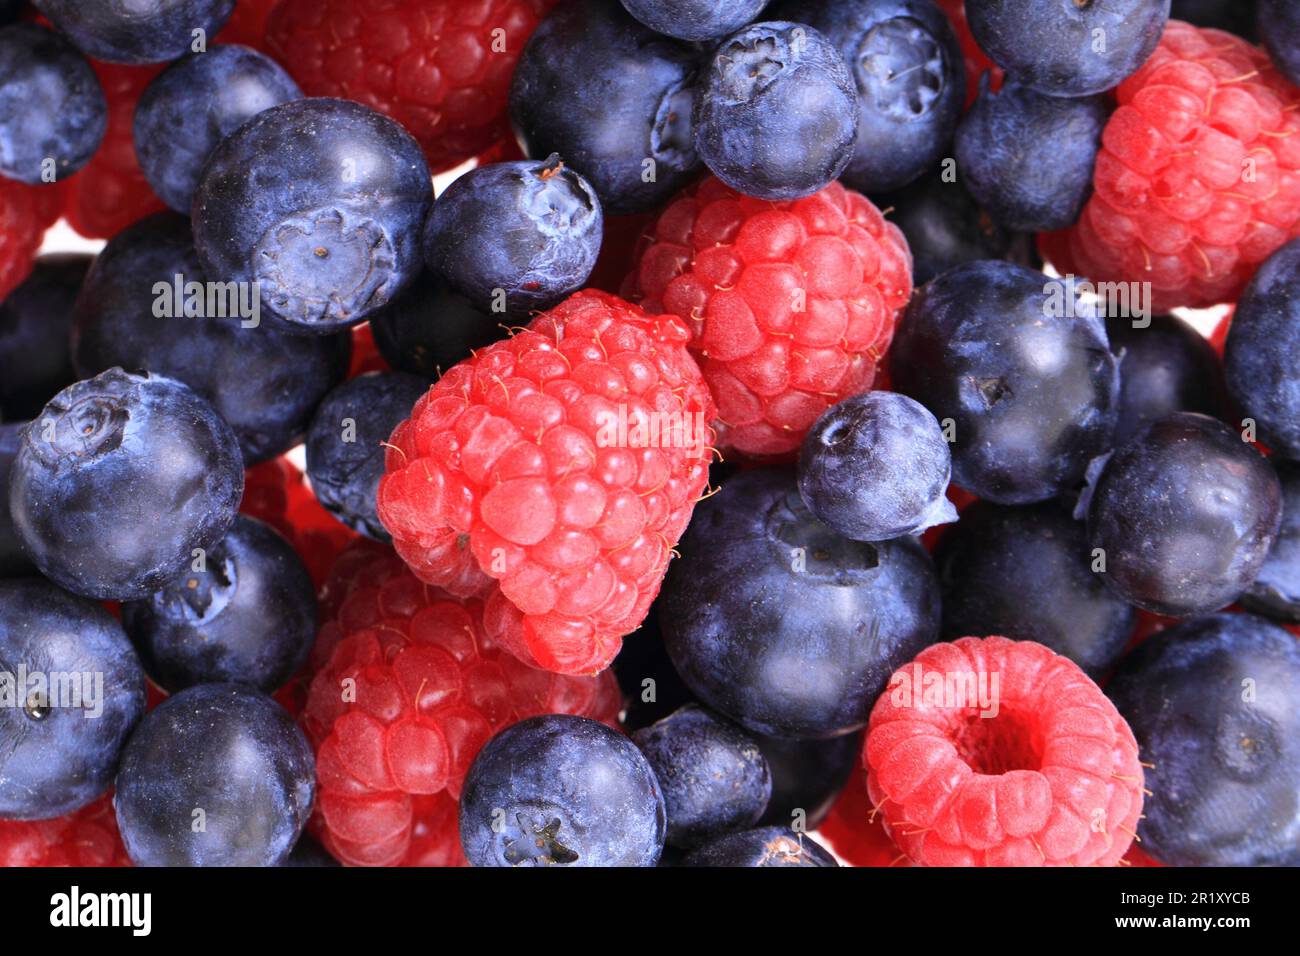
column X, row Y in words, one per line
column 807, row 776
column 319, row 201
column 763, row 846
column 244, row 614
column 217, row 775
column 1184, row 515
column 195, row 103
column 52, row 109
column 613, row 99
column 428, row 328
column 307, row 852
column 875, row 466
column 695, row 19
column 1275, row 592
column 1026, row 573
column 1021, row 366
column 1164, row 367
column 945, row 227
column 1235, row 16
column 13, row 559
column 515, row 237
column 345, row 453
column 154, row 31
column 713, row 775
column 1212, row 705
column 783, row 625
column 1068, row 47
column 776, row 116
column 1028, row 157
column 910, row 78
column 561, row 791
column 34, row 324
column 1278, row 23
column 265, row 383
column 650, row 684
column 71, row 689
column 119, row 479
column 1262, row 352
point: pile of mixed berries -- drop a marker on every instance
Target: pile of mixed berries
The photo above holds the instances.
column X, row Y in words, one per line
column 780, row 442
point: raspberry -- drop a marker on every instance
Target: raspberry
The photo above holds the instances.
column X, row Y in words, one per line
column 247, row 24
column 791, row 303
column 517, row 465
column 856, row 832
column 274, row 492
column 441, row 68
column 1198, row 178
column 25, row 213
column 365, row 354
column 86, row 837
column 1049, row 777
column 413, row 687
column 110, row 192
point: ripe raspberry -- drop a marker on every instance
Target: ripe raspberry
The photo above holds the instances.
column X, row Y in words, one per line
column 110, row 192
column 791, row 303
column 516, row 464
column 25, row 213
column 1198, row 178
column 441, row 68
column 247, row 24
column 275, row 492
column 1050, row 777
column 365, row 354
column 855, row 832
column 413, row 687
column 87, row 837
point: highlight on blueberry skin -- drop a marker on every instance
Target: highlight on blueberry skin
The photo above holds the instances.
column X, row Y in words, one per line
column 558, row 790
column 1211, row 702
column 61, row 745
column 515, row 238
column 320, row 202
column 155, row 32
column 52, row 109
column 246, row 616
column 776, row 116
column 120, row 480
column 192, row 105
column 227, row 753
column 762, row 846
column 876, row 466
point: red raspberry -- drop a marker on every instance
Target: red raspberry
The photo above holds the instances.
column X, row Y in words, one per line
column 365, row 354
column 533, row 462
column 247, row 24
column 791, row 303
column 856, row 832
column 1198, row 178
column 110, row 192
column 25, row 213
column 275, row 492
column 1050, row 777
column 86, row 837
column 441, row 68
column 414, row 686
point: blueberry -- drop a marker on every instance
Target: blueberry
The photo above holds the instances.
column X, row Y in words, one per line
column 192, row 105
column 515, row 237
column 1235, row 16
column 945, row 227
column 1026, row 573
column 1263, row 348
column 52, row 109
column 561, row 790
column 428, row 328
column 650, row 684
column 245, row 615
column 10, row 10
column 224, row 756
column 776, row 116
column 1278, row 23
column 1275, row 592
column 1164, row 367
column 34, row 324
column 910, row 77
column 133, row 32
column 13, row 559
column 783, row 625
column 763, row 846
column 320, row 202
column 1184, row 515
column 265, row 383
column 119, row 480
column 1028, row 157
column 1021, row 367
column 611, row 97
column 876, row 466
column 807, row 776
column 1211, row 702
column 713, row 775
column 1068, row 47
column 307, row 852
column 71, row 689
column 345, row 453
column 695, row 19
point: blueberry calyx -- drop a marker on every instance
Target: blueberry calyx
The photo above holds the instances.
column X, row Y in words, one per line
column 904, row 66
column 531, row 841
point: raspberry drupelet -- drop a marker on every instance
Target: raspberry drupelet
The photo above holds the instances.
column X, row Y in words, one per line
column 25, row 213
column 85, row 837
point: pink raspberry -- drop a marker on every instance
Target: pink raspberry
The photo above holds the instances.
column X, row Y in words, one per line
column 86, row 837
